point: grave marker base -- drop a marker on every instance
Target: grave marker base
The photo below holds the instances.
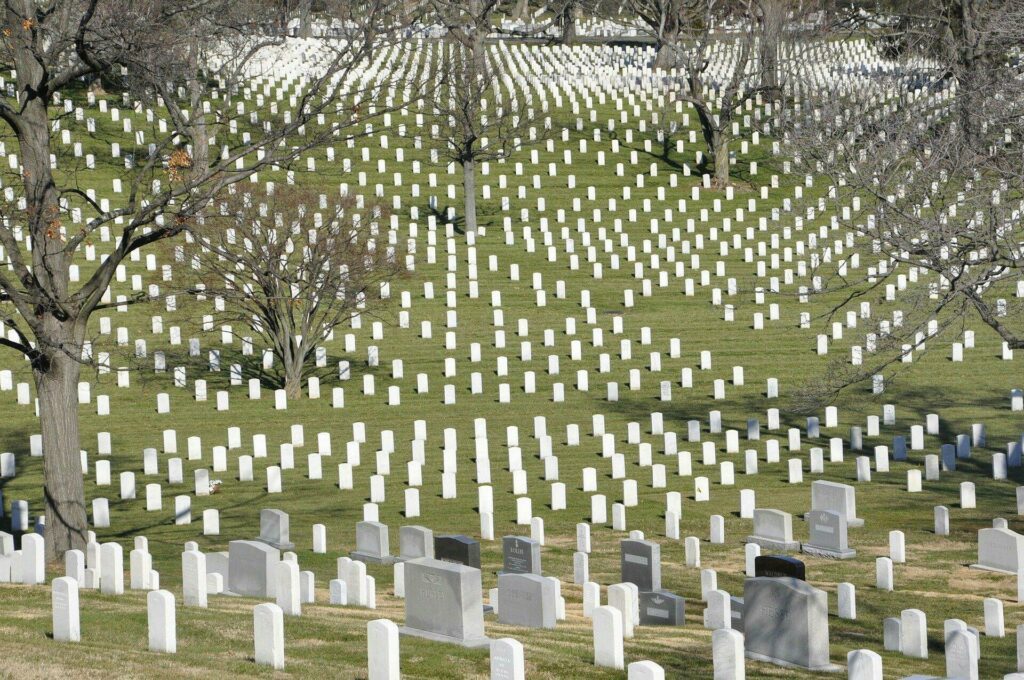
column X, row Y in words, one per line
column 827, row 668
column 984, row 567
column 372, row 559
column 471, row 643
column 828, row 553
column 770, row 544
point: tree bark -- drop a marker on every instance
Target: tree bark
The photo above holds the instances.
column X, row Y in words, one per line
column 665, row 57
column 293, row 382
column 721, row 152
column 293, row 359
column 569, row 24
column 305, row 22
column 469, row 190
column 56, row 378
column 520, row 10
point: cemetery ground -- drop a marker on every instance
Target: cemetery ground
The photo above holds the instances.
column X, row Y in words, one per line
column 330, row 641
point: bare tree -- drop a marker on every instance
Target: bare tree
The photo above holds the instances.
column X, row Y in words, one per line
column 476, row 112
column 566, row 13
column 52, row 45
column 713, row 47
column 292, row 267
column 966, row 41
column 940, row 204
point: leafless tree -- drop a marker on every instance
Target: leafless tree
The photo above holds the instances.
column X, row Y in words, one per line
column 477, row 114
column 966, row 41
column 724, row 52
column 292, row 267
column 168, row 50
column 940, row 203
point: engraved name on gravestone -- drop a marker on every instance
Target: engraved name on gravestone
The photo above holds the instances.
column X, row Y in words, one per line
column 661, row 608
column 641, row 564
column 521, row 555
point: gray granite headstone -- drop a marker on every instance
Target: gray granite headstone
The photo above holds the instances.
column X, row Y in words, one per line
column 662, row 608
column 828, row 535
column 527, row 600
column 736, row 609
column 773, row 530
column 372, row 544
column 841, row 498
column 521, row 555
column 443, row 602
column 274, row 529
column 786, row 622
column 414, row 542
column 641, row 564
column 251, row 568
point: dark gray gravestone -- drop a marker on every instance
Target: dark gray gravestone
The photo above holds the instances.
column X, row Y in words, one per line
column 662, row 608
column 458, row 549
column 828, row 535
column 779, row 566
column 737, row 609
column 443, row 602
column 521, row 555
column 415, row 541
column 641, row 564
column 526, row 600
column 251, row 566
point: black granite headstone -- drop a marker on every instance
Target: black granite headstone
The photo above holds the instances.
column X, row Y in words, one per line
column 460, row 549
column 779, row 566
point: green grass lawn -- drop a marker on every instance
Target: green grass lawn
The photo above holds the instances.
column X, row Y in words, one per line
column 329, row 641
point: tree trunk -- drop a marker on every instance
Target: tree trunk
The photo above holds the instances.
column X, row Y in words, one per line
column 55, row 319
column 469, row 190
column 293, row 382
column 569, row 25
column 769, row 64
column 721, row 153
column 294, row 361
column 200, row 134
column 665, row 57
column 56, row 379
column 522, row 6
column 305, row 22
